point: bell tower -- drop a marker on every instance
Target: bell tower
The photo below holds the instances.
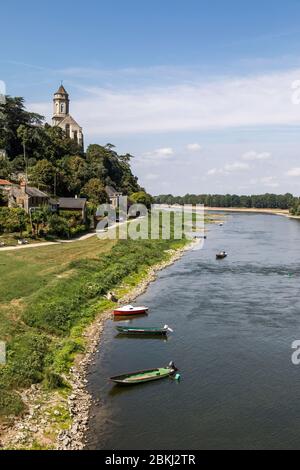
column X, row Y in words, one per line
column 60, row 106
column 62, row 118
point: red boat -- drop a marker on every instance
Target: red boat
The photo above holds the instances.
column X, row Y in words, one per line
column 130, row 310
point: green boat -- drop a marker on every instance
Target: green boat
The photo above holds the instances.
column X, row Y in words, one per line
column 141, row 330
column 142, row 376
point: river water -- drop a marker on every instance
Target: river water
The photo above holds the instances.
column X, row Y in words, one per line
column 234, row 322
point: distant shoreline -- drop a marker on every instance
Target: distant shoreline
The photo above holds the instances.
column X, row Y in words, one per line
column 254, row 210
column 282, row 212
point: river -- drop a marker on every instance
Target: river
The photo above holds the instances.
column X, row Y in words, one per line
column 234, row 322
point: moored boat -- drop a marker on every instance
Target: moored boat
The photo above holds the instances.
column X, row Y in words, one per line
column 142, row 376
column 152, row 330
column 221, row 255
column 130, row 310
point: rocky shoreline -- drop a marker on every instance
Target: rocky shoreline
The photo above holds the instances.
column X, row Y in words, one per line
column 55, row 421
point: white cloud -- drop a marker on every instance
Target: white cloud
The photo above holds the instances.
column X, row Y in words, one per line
column 236, row 166
column 213, row 171
column 269, row 181
column 157, row 155
column 164, row 152
column 293, row 172
column 194, row 147
column 252, row 155
column 151, row 176
column 261, row 100
column 229, row 168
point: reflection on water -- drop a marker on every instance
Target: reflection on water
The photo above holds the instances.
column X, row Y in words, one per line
column 136, row 336
column 127, row 319
column 234, row 322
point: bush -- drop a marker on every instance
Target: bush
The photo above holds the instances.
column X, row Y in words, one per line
column 53, row 381
column 13, row 219
column 25, row 360
column 58, row 226
column 10, row 403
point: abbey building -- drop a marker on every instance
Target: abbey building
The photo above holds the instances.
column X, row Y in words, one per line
column 62, row 117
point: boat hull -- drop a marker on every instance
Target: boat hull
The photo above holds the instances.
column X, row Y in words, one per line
column 134, row 378
column 124, row 313
column 142, row 331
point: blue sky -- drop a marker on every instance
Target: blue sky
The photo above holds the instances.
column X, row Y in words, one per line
column 203, row 93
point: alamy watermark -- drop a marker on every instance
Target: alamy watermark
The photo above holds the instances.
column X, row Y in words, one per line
column 296, row 93
column 136, row 222
column 296, row 354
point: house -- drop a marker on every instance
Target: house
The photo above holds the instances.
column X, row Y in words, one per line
column 70, row 204
column 5, row 185
column 113, row 196
column 27, row 197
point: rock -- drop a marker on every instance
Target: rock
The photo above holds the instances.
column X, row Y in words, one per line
column 33, row 429
column 66, row 441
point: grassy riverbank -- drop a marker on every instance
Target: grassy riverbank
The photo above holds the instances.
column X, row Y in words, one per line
column 48, row 298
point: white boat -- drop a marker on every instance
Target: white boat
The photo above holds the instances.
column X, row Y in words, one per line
column 130, row 310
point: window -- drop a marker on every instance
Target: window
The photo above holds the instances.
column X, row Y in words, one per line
column 75, row 135
column 68, row 130
column 62, row 108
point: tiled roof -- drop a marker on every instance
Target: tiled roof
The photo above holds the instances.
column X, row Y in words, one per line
column 31, row 192
column 34, row 192
column 61, row 90
column 72, row 203
column 111, row 192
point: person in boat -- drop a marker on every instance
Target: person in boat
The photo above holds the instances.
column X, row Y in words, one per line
column 173, row 368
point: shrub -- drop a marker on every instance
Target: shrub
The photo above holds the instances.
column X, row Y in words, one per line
column 10, row 403
column 25, row 360
column 53, row 380
column 58, row 226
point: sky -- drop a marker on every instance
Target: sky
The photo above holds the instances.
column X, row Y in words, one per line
column 204, row 94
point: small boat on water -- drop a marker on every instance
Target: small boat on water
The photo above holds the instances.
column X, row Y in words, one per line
column 221, row 224
column 152, row 330
column 130, row 310
column 133, row 378
column 221, row 255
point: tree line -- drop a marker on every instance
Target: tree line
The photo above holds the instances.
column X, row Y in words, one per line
column 262, row 201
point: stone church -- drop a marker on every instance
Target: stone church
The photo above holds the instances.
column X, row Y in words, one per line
column 63, row 119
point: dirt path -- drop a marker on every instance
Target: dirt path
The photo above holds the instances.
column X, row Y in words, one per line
column 58, row 242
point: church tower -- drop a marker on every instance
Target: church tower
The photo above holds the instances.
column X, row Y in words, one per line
column 61, row 104
column 63, row 119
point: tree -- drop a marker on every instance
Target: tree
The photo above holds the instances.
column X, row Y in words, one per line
column 3, row 198
column 12, row 115
column 58, row 226
column 95, row 191
column 40, row 218
column 76, row 173
column 142, row 197
column 13, row 219
column 42, row 174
